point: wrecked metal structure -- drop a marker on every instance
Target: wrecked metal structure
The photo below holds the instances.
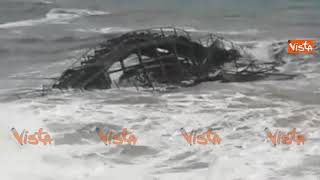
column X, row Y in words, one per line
column 154, row 56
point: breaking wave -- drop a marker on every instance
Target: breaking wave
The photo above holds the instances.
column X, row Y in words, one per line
column 104, row 30
column 56, row 15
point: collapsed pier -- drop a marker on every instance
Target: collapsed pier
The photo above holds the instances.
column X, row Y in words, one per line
column 165, row 55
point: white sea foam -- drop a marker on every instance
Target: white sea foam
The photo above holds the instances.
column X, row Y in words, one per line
column 57, row 15
column 47, row 2
column 104, row 30
column 161, row 152
column 243, row 32
column 240, row 32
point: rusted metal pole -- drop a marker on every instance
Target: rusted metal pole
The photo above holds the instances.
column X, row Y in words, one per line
column 163, row 70
column 211, row 38
column 177, row 57
column 122, row 66
column 116, row 84
column 135, row 85
column 162, row 33
column 175, row 32
column 144, row 69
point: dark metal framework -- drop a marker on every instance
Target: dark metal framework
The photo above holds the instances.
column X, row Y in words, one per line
column 163, row 55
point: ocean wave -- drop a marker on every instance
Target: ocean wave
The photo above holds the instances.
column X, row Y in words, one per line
column 46, row 2
column 243, row 32
column 55, row 16
column 104, row 30
column 239, row 32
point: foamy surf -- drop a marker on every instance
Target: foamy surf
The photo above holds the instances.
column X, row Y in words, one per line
column 104, row 30
column 55, row 16
column 239, row 32
column 236, row 112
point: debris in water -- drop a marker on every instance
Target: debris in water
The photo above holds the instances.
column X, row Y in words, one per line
column 169, row 56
